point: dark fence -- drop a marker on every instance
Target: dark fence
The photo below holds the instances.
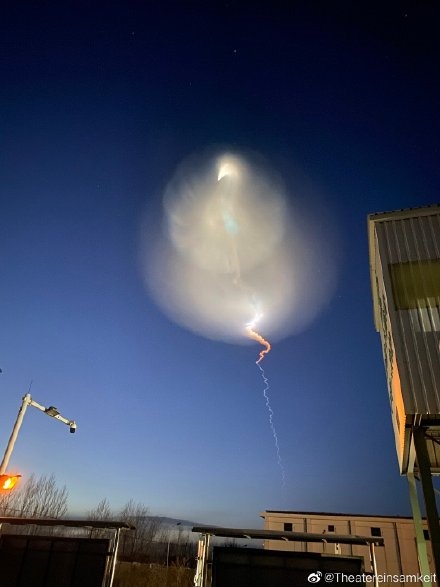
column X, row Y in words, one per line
column 52, row 561
column 248, row 567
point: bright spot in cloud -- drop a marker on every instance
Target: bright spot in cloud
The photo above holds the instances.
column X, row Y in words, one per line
column 236, row 249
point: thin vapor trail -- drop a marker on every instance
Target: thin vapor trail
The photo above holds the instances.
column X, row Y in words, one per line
column 272, row 425
column 256, row 336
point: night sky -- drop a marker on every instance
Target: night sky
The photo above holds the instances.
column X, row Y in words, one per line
column 99, row 107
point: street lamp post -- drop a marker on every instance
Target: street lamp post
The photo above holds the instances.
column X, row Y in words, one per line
column 28, row 401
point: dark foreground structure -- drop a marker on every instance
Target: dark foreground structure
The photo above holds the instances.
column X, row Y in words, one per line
column 404, row 248
column 254, row 567
column 34, row 552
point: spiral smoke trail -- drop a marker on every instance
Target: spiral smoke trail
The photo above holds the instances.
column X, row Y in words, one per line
column 253, row 334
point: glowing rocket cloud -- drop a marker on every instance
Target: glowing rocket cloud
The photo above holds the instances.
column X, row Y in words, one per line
column 232, row 249
column 227, row 166
column 233, row 245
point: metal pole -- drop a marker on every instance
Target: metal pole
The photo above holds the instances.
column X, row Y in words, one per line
column 417, row 516
column 373, row 564
column 198, row 577
column 10, row 447
column 205, row 581
column 424, row 467
column 115, row 556
column 420, row 539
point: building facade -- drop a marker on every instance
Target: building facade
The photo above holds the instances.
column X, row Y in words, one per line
column 405, row 281
column 397, row 557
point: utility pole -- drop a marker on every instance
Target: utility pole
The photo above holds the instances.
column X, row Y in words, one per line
column 28, row 401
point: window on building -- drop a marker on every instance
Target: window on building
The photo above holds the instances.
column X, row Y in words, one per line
column 376, row 531
column 426, row 534
column 416, row 284
column 288, row 527
column 330, row 528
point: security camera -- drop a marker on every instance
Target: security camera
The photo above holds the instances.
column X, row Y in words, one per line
column 52, row 411
column 72, row 427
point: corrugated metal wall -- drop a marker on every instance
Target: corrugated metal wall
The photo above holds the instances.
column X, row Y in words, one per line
column 409, row 253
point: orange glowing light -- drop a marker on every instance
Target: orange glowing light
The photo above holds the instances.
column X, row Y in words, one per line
column 8, row 482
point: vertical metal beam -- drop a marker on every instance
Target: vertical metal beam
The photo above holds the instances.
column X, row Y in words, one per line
column 373, row 563
column 201, row 576
column 15, row 430
column 198, row 577
column 422, row 552
column 424, row 468
column 206, row 581
column 420, row 539
column 115, row 557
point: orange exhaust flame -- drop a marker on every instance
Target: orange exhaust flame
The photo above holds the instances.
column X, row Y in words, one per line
column 255, row 336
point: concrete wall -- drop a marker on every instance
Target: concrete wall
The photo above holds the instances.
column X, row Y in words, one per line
column 398, row 556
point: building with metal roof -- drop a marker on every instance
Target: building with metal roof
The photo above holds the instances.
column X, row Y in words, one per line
column 396, row 535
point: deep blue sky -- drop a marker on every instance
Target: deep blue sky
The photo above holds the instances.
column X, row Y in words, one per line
column 98, row 107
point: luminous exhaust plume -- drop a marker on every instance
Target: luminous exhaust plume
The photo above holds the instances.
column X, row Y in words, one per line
column 256, row 336
column 232, row 248
column 253, row 334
